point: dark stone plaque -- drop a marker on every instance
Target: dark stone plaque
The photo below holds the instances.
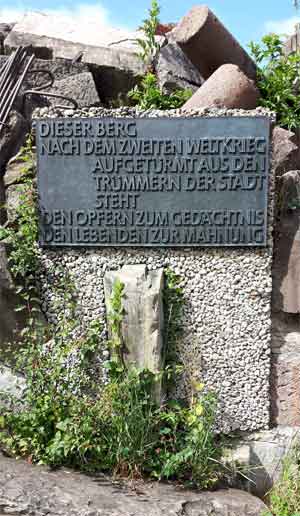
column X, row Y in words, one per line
column 153, row 181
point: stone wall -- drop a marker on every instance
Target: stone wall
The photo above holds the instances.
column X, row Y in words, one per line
column 227, row 313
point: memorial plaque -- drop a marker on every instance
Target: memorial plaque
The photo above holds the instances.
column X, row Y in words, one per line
column 153, row 181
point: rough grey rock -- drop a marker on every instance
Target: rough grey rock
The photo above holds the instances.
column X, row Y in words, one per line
column 5, row 29
column 285, row 357
column 9, row 382
column 208, row 44
column 286, row 154
column 38, row 491
column 112, row 55
column 285, row 333
column 142, row 324
column 10, row 320
column 3, row 60
column 14, row 171
column 60, row 68
column 12, row 137
column 14, row 198
column 80, row 87
column 285, row 369
column 2, row 202
column 71, row 79
column 286, row 268
column 262, row 453
column 174, row 70
column 290, row 190
column 51, row 26
column 227, row 87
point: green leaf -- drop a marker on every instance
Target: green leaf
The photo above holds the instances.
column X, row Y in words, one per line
column 20, row 308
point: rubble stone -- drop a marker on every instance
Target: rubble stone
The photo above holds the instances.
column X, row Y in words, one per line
column 286, row 267
column 208, row 44
column 174, row 70
column 227, row 87
column 10, row 320
column 39, row 491
column 285, row 369
column 286, row 154
column 112, row 55
column 12, row 137
column 14, row 199
column 261, row 456
column 15, row 170
column 9, row 382
column 80, row 87
column 5, row 29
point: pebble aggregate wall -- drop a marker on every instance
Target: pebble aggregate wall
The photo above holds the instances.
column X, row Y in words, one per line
column 227, row 313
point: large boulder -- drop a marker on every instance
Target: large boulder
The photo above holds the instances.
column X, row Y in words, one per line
column 12, row 137
column 228, row 87
column 14, row 195
column 59, row 68
column 112, row 54
column 5, row 29
column 62, row 70
column 286, row 154
column 286, row 266
column 11, row 322
column 2, row 202
column 285, row 358
column 16, row 189
column 174, row 70
column 260, row 456
column 10, row 383
column 285, row 370
column 208, row 44
column 16, row 170
column 142, row 324
column 38, row 491
column 80, row 87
